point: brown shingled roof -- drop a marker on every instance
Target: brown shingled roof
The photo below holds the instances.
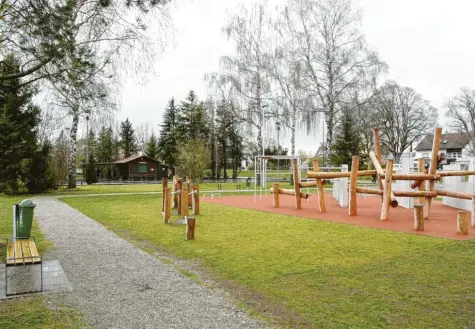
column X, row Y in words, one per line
column 135, row 157
column 448, row 141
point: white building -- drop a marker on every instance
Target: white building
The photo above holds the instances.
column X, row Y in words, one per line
column 452, row 145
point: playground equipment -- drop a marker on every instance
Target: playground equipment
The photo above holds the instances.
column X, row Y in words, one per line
column 424, row 181
column 184, row 196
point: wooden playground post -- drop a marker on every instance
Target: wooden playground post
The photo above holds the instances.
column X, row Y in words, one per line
column 473, row 212
column 387, row 190
column 419, row 217
column 462, row 222
column 179, row 184
column 190, row 188
column 381, row 174
column 167, row 199
column 175, row 188
column 352, row 210
column 164, row 187
column 190, row 228
column 321, row 196
column 184, row 201
column 298, row 200
column 421, row 164
column 275, row 191
column 196, row 188
column 433, row 168
column 378, row 153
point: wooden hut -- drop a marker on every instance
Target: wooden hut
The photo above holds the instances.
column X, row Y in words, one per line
column 140, row 167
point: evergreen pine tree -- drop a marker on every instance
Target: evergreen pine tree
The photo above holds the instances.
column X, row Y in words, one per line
column 151, row 148
column 18, row 120
column 104, row 150
column 223, row 124
column 346, row 143
column 91, row 173
column 92, row 143
column 127, row 138
column 40, row 177
column 236, row 149
column 168, row 141
column 193, row 122
column 60, row 158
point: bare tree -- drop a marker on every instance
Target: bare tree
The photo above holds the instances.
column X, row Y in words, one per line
column 336, row 56
column 403, row 117
column 142, row 134
column 244, row 76
column 461, row 109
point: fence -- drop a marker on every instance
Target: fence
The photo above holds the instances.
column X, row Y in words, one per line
column 340, row 188
column 463, row 184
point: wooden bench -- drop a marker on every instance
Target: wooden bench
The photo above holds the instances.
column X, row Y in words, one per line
column 22, row 252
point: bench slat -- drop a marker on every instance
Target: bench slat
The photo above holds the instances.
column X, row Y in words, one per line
column 22, row 248
column 34, row 251
column 18, row 253
column 10, row 252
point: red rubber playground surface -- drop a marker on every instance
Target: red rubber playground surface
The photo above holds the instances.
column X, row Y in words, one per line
column 442, row 221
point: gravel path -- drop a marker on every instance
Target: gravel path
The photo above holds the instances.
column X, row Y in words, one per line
column 117, row 285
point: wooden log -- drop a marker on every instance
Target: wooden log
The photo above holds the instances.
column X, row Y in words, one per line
column 421, row 187
column 285, row 191
column 415, row 194
column 164, row 187
column 352, row 204
column 417, row 183
column 416, row 176
column 419, row 217
column 380, row 172
column 308, row 184
column 276, row 195
column 378, row 154
column 387, row 190
column 462, row 222
column 175, row 196
column 190, row 188
column 368, row 191
column 458, row 195
column 473, row 212
column 167, row 210
column 190, row 228
column 184, row 201
column 456, row 173
column 329, row 175
column 197, row 199
column 320, row 182
column 298, row 201
column 433, row 165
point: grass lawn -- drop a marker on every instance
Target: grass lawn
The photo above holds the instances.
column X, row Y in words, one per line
column 31, row 312
column 330, row 275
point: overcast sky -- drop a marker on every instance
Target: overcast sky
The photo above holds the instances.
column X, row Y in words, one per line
column 428, row 45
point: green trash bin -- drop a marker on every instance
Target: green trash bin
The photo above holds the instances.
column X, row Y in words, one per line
column 25, row 219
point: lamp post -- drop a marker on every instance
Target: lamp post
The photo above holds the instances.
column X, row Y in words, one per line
column 87, row 112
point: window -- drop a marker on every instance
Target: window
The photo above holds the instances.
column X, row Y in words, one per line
column 425, row 155
column 143, row 167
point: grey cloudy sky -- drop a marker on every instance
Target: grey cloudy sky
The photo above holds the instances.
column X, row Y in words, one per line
column 427, row 44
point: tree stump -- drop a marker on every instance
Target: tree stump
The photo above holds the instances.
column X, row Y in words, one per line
column 462, row 222
column 419, row 217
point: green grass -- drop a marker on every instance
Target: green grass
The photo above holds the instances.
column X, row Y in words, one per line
column 30, row 312
column 36, row 313
column 331, row 275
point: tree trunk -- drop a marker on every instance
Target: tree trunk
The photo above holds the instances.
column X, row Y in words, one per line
column 73, row 150
column 292, row 130
column 330, row 123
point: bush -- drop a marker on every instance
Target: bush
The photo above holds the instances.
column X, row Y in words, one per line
column 91, row 173
column 193, row 159
column 40, row 176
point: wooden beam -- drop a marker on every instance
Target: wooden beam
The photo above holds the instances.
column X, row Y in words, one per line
column 167, row 207
column 352, row 205
column 290, row 192
column 377, row 146
column 368, row 191
column 164, row 187
column 414, row 194
column 381, row 174
column 462, row 222
column 458, row 195
column 321, row 195
column 308, row 184
column 416, row 176
column 417, row 183
column 456, row 173
column 433, row 164
column 184, row 201
column 387, row 190
column 329, row 175
column 421, row 187
column 298, row 201
column 276, row 195
column 419, row 217
column 197, row 199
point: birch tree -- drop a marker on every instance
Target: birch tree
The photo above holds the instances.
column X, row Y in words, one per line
column 336, row 56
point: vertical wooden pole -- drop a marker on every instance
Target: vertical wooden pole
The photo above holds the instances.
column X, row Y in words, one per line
column 197, row 199
column 190, row 188
column 473, row 212
column 164, row 188
column 167, row 211
column 275, row 189
column 298, row 200
column 433, row 166
column 184, row 201
column 421, row 166
column 462, row 222
column 419, row 217
column 321, row 196
column 175, row 188
column 179, row 185
column 378, row 153
column 190, row 228
column 387, row 190
column 352, row 209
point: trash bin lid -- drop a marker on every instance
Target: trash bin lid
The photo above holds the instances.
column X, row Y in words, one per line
column 27, row 203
